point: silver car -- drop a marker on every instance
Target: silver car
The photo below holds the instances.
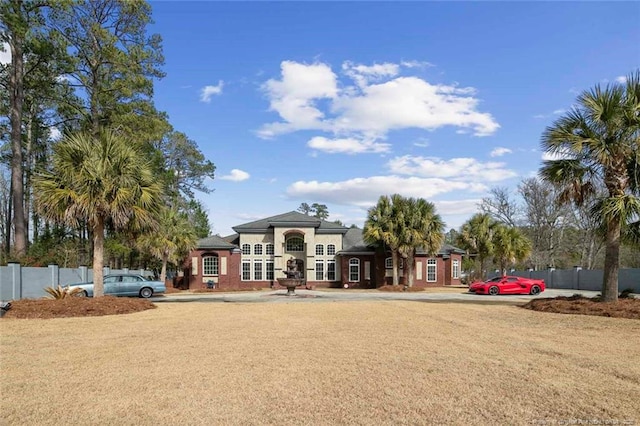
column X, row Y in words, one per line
column 123, row 285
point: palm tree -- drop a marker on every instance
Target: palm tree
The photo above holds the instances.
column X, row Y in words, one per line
column 380, row 228
column 422, row 229
column 476, row 236
column 177, row 238
column 98, row 180
column 599, row 142
column 510, row 245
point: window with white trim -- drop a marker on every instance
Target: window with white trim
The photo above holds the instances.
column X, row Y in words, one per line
column 455, row 269
column 331, row 270
column 431, row 270
column 319, row 270
column 269, row 269
column 246, row 270
column 246, row 249
column 269, row 249
column 295, row 244
column 257, row 249
column 388, row 263
column 210, row 265
column 331, row 249
column 319, row 250
column 257, row 270
column 354, row 270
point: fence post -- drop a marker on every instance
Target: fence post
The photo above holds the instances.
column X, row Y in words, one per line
column 84, row 274
column 16, row 278
column 54, row 275
column 550, row 274
column 576, row 276
column 106, row 270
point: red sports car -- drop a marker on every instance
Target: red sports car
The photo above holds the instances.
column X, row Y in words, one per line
column 508, row 285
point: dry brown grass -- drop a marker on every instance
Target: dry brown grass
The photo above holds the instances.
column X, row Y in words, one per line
column 320, row 363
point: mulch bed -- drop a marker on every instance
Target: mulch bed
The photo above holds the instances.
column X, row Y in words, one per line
column 580, row 305
column 76, row 307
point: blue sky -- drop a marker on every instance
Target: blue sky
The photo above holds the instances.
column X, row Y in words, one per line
column 339, row 103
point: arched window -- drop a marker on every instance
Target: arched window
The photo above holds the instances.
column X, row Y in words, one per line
column 295, row 244
column 210, row 265
column 246, row 249
column 331, row 249
column 319, row 250
column 354, row 270
column 257, row 249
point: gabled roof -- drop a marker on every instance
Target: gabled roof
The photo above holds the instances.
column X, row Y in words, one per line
column 291, row 219
column 215, row 242
column 353, row 242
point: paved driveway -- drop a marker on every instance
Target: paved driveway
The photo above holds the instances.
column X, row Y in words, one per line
column 279, row 296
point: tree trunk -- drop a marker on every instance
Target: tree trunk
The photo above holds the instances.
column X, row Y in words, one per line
column 163, row 271
column 98, row 258
column 16, row 99
column 394, row 259
column 410, row 270
column 611, row 262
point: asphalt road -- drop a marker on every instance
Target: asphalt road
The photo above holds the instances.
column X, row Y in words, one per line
column 279, row 296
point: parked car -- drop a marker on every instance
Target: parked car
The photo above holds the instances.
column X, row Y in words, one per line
column 124, row 285
column 508, row 285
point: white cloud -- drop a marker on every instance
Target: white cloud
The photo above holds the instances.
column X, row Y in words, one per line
column 347, row 146
column 559, row 111
column 293, row 97
column 5, row 54
column 409, row 102
column 54, row 133
column 500, row 151
column 463, row 207
column 236, row 175
column 373, row 108
column 621, row 79
column 466, row 169
column 363, row 74
column 416, row 64
column 209, row 91
column 364, row 192
column 553, row 156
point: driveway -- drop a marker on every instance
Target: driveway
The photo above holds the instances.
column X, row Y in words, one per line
column 279, row 296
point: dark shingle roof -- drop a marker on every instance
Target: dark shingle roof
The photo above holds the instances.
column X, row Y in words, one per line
column 354, row 243
column 291, row 219
column 215, row 242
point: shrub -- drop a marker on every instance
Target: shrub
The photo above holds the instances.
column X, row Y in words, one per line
column 626, row 293
column 62, row 292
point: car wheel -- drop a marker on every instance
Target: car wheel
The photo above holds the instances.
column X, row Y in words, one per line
column 146, row 292
column 493, row 290
column 82, row 293
column 535, row 290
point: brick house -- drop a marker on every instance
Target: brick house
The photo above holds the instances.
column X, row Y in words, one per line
column 327, row 254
